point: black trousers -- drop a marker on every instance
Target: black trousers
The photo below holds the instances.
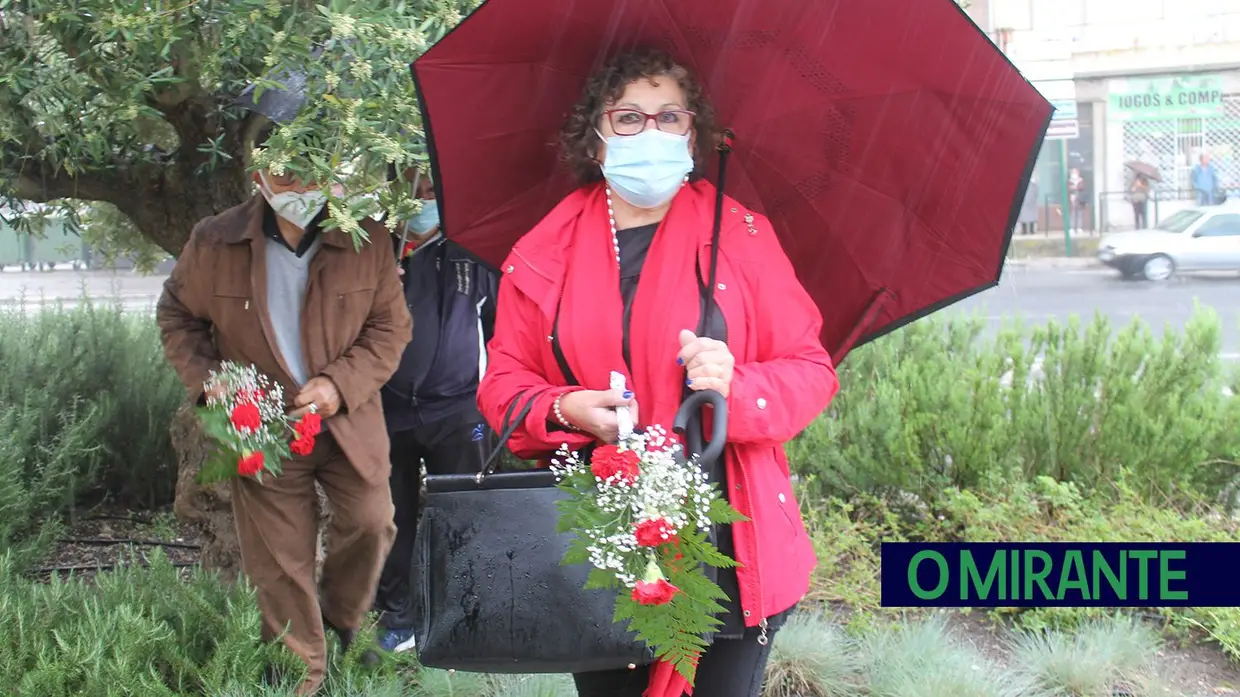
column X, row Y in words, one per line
column 455, row 445
column 1140, row 219
column 729, row 668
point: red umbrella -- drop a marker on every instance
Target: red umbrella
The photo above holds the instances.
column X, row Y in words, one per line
column 888, row 141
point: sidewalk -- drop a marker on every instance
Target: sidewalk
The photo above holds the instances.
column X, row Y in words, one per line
column 1055, row 263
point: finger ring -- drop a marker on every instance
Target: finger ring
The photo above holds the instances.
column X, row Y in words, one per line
column 313, row 407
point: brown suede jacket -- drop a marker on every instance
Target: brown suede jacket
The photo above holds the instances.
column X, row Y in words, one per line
column 355, row 323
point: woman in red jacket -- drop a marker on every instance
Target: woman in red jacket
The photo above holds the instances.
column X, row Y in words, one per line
column 613, row 279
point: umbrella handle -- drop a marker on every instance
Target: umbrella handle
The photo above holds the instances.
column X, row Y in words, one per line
column 691, row 409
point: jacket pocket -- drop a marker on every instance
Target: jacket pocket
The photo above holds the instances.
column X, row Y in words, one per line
column 347, row 311
column 785, row 499
column 233, row 314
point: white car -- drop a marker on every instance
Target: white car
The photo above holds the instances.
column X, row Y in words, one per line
column 1206, row 238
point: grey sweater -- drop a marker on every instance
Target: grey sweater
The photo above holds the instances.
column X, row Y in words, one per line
column 286, row 296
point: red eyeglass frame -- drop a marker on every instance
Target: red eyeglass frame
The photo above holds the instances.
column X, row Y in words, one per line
column 649, row 117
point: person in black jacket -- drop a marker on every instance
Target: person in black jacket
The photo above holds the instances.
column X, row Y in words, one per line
column 429, row 403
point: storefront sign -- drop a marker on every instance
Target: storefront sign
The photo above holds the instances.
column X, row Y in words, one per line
column 1182, row 96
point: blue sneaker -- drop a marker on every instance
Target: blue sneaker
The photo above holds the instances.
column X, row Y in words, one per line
column 397, row 640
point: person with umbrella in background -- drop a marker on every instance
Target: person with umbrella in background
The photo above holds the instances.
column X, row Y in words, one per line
column 1139, row 196
column 873, row 184
column 623, row 251
column 264, row 284
column 429, row 403
column 1139, row 190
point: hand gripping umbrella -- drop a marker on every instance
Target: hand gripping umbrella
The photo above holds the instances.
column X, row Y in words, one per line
column 889, row 142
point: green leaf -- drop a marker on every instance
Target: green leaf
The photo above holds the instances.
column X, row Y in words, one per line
column 601, row 580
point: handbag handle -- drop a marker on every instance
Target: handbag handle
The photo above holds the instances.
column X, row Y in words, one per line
column 691, row 407
column 509, row 427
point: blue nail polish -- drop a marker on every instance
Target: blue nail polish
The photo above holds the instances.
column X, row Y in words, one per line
column 628, row 395
column 689, row 382
column 680, row 361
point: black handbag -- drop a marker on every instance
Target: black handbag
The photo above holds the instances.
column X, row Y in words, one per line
column 490, row 594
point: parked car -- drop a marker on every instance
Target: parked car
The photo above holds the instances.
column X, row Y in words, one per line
column 1206, row 238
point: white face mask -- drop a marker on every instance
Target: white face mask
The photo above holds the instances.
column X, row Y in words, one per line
column 298, row 207
column 647, row 169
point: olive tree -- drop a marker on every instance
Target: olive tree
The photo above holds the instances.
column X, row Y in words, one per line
column 134, row 103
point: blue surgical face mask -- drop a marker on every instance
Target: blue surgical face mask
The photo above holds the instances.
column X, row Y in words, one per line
column 649, row 168
column 425, row 220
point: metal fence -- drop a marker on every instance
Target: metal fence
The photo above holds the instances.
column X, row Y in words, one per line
column 1115, row 212
column 1173, row 145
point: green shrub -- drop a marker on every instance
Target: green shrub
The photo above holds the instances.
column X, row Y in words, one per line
column 1098, row 658
column 939, row 406
column 812, row 658
column 926, row 659
column 87, row 402
column 137, row 631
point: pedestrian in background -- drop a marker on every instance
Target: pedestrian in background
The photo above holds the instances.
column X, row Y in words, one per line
column 1078, row 196
column 1139, row 195
column 430, row 402
column 1205, row 181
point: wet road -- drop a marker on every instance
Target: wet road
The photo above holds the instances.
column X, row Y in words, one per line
column 1038, row 294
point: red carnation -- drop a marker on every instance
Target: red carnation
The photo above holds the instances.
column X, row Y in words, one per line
column 610, row 461
column 658, row 592
column 652, row 533
column 309, row 426
column 408, row 250
column 245, row 417
column 250, row 465
column 302, row 445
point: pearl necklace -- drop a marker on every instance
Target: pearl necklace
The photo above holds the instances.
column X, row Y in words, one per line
column 611, row 218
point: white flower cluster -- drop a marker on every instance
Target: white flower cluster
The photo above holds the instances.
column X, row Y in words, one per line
column 668, row 487
column 234, row 384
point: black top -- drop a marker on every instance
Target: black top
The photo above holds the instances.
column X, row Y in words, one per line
column 272, row 230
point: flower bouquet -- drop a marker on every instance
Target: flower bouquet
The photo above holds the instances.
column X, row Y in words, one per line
column 640, row 513
column 244, row 416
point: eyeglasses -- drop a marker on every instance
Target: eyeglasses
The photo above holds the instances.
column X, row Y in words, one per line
column 630, row 122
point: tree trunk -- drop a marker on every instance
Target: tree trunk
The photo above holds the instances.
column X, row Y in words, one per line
column 166, row 208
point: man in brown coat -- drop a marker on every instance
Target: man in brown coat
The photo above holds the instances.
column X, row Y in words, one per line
column 261, row 284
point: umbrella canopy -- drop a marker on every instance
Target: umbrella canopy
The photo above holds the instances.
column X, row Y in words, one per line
column 889, row 142
column 1145, row 169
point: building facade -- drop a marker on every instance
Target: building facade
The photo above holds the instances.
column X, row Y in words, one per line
column 1154, row 81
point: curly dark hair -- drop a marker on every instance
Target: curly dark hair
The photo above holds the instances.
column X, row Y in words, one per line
column 578, row 140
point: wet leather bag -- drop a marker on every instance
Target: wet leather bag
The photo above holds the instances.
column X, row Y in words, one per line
column 490, row 594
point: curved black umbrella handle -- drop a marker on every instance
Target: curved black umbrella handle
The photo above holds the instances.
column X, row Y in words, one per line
column 691, row 409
